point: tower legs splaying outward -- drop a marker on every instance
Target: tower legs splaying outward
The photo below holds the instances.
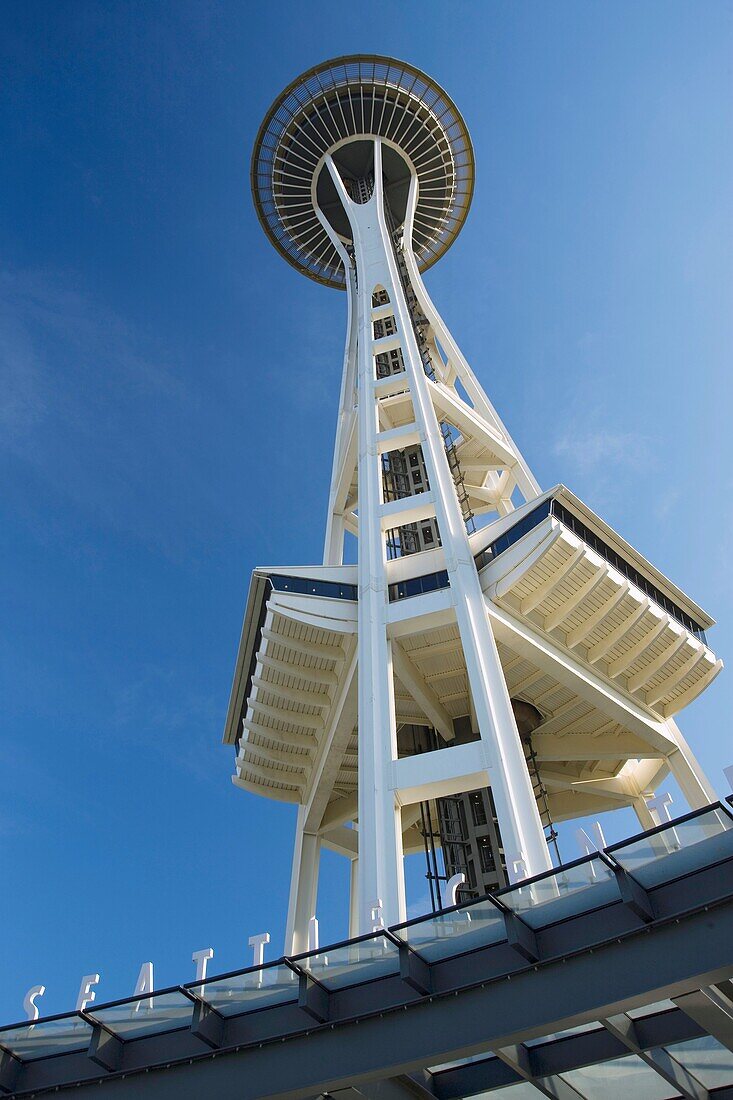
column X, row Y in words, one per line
column 373, row 267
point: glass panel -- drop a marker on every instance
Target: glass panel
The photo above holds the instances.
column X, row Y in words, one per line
column 620, row 1077
column 238, row 993
column 484, row 1056
column 705, row 1058
column 415, row 586
column 146, row 1015
column 514, row 534
column 47, row 1037
column 650, row 1010
column 589, row 885
column 353, row 963
column 581, row 1029
column 303, row 585
column 521, row 1091
column 679, row 849
column 446, row 934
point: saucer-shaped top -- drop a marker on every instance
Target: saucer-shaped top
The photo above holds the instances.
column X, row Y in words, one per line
column 341, row 101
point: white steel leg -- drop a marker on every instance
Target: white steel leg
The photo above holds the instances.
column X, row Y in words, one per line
column 380, row 868
column 644, row 814
column 692, row 781
column 354, row 899
column 519, row 820
column 303, row 887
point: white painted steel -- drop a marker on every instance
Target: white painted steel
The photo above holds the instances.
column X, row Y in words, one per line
column 380, row 855
column 606, row 738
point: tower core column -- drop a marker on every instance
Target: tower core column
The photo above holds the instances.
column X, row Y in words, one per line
column 380, row 862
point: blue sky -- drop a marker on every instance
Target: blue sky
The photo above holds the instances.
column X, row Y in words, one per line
column 152, row 344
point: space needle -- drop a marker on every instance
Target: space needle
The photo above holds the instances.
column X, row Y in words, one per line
column 473, row 661
column 498, row 659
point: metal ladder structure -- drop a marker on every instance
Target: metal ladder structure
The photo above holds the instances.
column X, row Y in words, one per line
column 540, row 793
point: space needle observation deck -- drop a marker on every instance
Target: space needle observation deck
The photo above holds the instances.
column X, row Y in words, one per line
column 337, row 109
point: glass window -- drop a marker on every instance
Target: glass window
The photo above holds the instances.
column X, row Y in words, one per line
column 415, row 586
column 486, row 855
column 625, row 568
column 678, row 849
column 705, row 1058
column 427, row 535
column 628, row 1077
column 478, row 808
column 305, row 586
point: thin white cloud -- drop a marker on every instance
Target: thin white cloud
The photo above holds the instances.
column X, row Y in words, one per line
column 88, row 404
column 590, row 450
column 22, row 402
column 596, row 450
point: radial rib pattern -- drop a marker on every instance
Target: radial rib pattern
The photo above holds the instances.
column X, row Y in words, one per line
column 353, row 97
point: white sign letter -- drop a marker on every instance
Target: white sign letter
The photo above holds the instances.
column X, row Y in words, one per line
column 29, row 1001
column 86, row 993
column 658, row 807
column 591, row 844
column 144, row 984
column 258, row 944
column 201, row 959
column 377, row 915
column 519, row 869
column 451, row 889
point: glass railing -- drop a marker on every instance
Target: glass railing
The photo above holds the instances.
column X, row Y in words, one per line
column 352, row 963
column 55, row 1035
column 169, row 1010
column 579, row 887
column 248, row 990
column 675, row 850
column 455, row 932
